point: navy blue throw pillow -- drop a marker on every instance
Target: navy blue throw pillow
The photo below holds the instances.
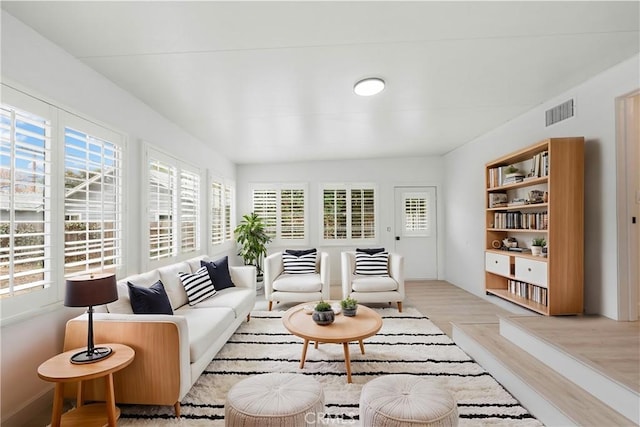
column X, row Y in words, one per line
column 371, row 251
column 219, row 273
column 151, row 300
column 301, row 252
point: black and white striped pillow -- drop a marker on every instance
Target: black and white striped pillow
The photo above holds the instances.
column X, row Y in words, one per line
column 197, row 285
column 303, row 264
column 372, row 264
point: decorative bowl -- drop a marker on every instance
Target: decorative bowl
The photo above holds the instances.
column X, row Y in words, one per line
column 323, row 317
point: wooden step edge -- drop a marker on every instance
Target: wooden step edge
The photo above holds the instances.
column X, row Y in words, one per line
column 513, row 320
column 550, row 397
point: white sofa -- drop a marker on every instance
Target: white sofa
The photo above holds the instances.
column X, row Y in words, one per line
column 373, row 288
column 171, row 350
column 281, row 286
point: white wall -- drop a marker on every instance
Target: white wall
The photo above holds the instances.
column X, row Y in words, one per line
column 595, row 120
column 385, row 173
column 32, row 63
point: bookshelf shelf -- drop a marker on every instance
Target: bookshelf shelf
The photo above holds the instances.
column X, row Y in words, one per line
column 551, row 285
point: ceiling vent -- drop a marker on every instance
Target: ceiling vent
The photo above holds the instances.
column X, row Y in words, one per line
column 559, row 113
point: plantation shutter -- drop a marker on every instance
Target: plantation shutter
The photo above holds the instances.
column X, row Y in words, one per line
column 92, row 202
column 363, row 224
column 416, row 214
column 217, row 213
column 189, row 211
column 25, row 187
column 292, row 221
column 335, row 214
column 228, row 201
column 265, row 206
column 162, row 177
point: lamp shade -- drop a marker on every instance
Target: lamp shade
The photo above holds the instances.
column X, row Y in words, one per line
column 86, row 291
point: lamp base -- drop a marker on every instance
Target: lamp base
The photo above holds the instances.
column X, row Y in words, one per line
column 91, row 356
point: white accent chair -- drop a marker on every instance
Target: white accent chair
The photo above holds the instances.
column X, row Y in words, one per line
column 369, row 289
column 280, row 286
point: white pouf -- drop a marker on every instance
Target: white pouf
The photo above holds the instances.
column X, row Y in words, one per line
column 406, row 401
column 276, row 399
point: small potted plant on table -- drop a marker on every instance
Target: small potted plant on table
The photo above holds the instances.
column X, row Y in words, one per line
column 349, row 306
column 536, row 245
column 323, row 313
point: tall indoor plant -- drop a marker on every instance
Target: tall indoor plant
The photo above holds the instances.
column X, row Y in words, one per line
column 252, row 238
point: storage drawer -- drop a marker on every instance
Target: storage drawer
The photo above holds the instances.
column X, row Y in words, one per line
column 531, row 271
column 496, row 263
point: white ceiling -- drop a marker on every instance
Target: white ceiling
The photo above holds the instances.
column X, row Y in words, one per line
column 272, row 81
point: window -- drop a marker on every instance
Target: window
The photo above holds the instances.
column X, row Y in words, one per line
column 173, row 206
column 92, row 200
column 349, row 213
column 416, row 214
column 60, row 201
column 25, row 187
column 283, row 208
column 221, row 215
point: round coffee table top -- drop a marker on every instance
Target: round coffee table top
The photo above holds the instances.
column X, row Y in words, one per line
column 344, row 329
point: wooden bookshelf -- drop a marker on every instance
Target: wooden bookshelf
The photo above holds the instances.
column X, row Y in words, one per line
column 553, row 284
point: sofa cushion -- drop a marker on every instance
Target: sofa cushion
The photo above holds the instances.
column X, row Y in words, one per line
column 205, row 326
column 149, row 300
column 123, row 304
column 241, row 300
column 219, row 273
column 298, row 283
column 299, row 264
column 198, row 285
column 372, row 264
column 373, row 284
column 172, row 283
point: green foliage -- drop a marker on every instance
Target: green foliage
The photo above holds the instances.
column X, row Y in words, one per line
column 323, row 306
column 538, row 241
column 252, row 238
column 349, row 303
column 512, row 169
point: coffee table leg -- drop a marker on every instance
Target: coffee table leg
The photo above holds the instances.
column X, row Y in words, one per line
column 347, row 360
column 361, row 347
column 304, row 353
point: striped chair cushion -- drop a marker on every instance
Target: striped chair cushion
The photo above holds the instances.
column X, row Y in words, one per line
column 372, row 264
column 197, row 285
column 303, row 264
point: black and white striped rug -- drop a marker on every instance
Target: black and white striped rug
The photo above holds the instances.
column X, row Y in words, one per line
column 408, row 343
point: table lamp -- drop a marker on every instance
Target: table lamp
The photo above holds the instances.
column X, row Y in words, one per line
column 87, row 291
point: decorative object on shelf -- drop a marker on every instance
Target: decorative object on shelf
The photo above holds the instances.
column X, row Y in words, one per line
column 536, row 196
column 323, row 314
column 512, row 175
column 349, row 306
column 536, row 246
column 510, row 242
column 496, row 244
column 252, row 238
column 87, row 291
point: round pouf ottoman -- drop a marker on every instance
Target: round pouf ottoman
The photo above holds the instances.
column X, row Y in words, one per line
column 276, row 399
column 406, row 400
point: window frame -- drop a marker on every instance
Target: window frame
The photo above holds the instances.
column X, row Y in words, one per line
column 348, row 188
column 278, row 188
column 175, row 248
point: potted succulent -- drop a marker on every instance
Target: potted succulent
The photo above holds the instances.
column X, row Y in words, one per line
column 349, row 306
column 536, row 245
column 323, row 314
column 252, row 238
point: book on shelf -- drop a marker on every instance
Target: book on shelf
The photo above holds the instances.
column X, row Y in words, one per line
column 495, row 177
column 497, row 200
column 527, row 290
column 540, row 165
column 512, row 179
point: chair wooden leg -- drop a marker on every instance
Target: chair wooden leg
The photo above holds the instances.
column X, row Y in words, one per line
column 270, row 305
column 176, row 409
column 400, row 306
column 248, row 317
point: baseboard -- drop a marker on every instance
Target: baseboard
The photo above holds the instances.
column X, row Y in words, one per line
column 33, row 410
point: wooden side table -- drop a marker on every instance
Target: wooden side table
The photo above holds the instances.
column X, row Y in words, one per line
column 60, row 370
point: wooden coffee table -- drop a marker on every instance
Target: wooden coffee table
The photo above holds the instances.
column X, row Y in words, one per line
column 342, row 331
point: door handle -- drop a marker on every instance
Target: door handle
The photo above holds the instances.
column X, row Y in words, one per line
column 397, row 237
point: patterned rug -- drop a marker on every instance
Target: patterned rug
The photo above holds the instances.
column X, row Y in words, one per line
column 408, row 343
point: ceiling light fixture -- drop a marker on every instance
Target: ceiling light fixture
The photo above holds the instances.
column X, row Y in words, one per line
column 369, row 86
